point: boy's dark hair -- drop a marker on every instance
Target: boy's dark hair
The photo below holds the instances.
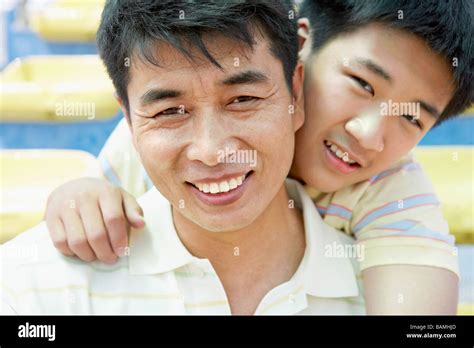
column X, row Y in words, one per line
column 131, row 28
column 446, row 26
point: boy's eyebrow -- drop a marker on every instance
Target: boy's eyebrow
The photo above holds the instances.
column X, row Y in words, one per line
column 429, row 108
column 377, row 69
column 248, row 76
column 157, row 94
column 374, row 67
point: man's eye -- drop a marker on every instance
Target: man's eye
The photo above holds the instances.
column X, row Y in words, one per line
column 364, row 84
column 243, row 99
column 180, row 110
column 413, row 120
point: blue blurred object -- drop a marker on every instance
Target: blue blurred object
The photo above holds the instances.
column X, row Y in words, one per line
column 457, row 131
column 89, row 136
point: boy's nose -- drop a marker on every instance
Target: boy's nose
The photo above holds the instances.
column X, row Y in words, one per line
column 368, row 129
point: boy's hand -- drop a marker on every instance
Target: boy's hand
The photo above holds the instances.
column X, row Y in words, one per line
column 90, row 218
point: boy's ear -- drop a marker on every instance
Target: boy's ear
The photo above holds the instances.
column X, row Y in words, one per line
column 304, row 38
column 298, row 97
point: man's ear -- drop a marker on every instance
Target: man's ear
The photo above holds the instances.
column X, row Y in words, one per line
column 127, row 116
column 124, row 110
column 298, row 96
column 304, row 38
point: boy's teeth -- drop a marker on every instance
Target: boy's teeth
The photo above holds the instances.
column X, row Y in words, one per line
column 339, row 153
column 223, row 186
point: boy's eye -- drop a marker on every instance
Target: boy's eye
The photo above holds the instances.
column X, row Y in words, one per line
column 180, row 110
column 364, row 84
column 413, row 120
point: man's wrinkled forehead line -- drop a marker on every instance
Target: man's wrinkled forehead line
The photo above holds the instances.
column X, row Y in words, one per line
column 218, row 45
column 235, row 60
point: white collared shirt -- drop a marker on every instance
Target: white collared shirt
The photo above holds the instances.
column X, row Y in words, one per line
column 160, row 276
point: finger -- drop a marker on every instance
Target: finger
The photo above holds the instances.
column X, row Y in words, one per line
column 58, row 235
column 133, row 211
column 76, row 237
column 96, row 233
column 115, row 221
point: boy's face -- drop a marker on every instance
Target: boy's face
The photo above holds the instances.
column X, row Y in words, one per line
column 359, row 90
column 194, row 124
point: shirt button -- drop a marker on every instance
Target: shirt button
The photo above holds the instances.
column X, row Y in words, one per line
column 291, row 298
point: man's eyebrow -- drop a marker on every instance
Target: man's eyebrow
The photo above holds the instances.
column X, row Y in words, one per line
column 157, row 94
column 248, row 76
column 374, row 67
column 429, row 108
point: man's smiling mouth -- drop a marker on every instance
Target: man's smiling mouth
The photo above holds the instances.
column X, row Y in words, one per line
column 221, row 191
column 213, row 186
column 223, row 186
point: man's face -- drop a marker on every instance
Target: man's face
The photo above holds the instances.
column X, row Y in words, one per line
column 199, row 129
column 370, row 96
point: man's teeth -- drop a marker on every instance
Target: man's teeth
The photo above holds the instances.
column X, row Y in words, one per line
column 223, row 186
column 339, row 153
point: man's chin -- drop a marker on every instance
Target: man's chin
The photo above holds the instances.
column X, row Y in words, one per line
column 215, row 224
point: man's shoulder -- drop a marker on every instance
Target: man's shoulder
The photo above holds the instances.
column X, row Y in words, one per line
column 30, row 262
column 37, row 278
column 31, row 258
column 29, row 247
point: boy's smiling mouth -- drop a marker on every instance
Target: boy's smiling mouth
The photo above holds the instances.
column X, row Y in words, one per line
column 338, row 152
column 340, row 159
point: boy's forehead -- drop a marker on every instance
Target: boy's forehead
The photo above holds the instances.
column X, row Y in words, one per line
column 402, row 56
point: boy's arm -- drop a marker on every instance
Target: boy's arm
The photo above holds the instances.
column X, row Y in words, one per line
column 410, row 263
column 96, row 224
column 408, row 289
column 121, row 164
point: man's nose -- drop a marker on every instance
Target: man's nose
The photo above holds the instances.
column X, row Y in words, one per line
column 209, row 140
column 368, row 129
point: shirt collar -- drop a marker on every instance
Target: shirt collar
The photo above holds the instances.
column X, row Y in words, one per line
column 326, row 274
column 158, row 249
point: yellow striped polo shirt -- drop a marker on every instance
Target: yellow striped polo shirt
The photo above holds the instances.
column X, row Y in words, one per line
column 160, row 276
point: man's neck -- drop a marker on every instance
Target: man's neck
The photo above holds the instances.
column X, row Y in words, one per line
column 254, row 259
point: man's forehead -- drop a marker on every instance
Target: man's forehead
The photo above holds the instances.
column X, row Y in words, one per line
column 238, row 63
column 228, row 53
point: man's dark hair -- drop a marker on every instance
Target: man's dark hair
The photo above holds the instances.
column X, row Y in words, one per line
column 131, row 28
column 445, row 25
